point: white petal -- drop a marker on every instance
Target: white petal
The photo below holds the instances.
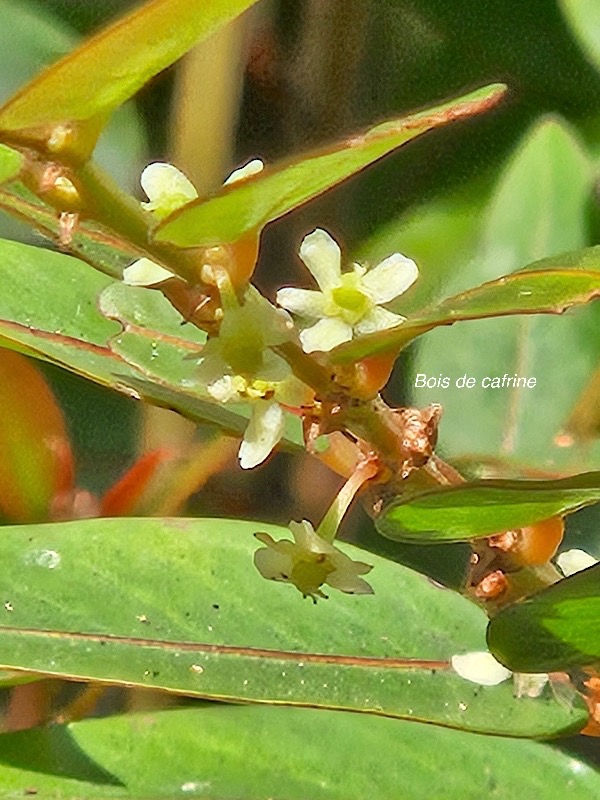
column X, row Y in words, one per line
column 247, row 171
column 378, row 319
column 323, row 257
column 325, row 335
column 391, row 278
column 305, row 302
column 272, row 565
column 161, row 181
column 264, row 430
column 572, row 561
column 306, row 538
column 145, row 273
column 481, row 668
column 223, row 389
column 347, row 582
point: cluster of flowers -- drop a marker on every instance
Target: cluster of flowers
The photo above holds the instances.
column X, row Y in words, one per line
column 238, row 365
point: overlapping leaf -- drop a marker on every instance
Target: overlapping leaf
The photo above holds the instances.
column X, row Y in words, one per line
column 109, row 68
column 531, row 291
column 228, row 751
column 178, row 605
column 481, row 508
column 556, row 629
column 238, row 210
column 49, row 309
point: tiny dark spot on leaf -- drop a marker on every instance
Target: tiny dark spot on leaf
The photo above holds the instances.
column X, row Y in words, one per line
column 216, row 606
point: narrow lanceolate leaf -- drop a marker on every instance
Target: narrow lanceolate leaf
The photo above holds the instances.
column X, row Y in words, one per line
column 220, row 750
column 239, row 209
column 102, row 73
column 178, row 605
column 483, row 508
column 530, row 291
column 555, row 630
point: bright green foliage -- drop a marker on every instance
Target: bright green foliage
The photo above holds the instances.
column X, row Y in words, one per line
column 161, row 606
column 187, row 606
column 274, row 752
column 557, row 629
column 531, row 291
column 92, row 81
column 10, row 163
column 231, row 213
column 482, row 508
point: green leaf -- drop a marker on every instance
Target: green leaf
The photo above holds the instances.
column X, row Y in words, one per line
column 555, row 630
column 530, row 291
column 239, row 209
column 537, row 212
column 583, row 17
column 109, row 68
column 49, row 309
column 11, row 162
column 31, row 37
column 178, row 605
column 291, row 753
column 482, row 508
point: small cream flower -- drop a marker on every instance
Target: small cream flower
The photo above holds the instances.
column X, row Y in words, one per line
column 237, row 366
column 308, row 562
column 348, row 304
column 572, row 561
column 168, row 189
column 481, row 668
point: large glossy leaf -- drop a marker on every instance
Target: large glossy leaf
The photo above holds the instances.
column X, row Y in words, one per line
column 539, row 209
column 179, row 605
column 49, row 309
column 248, row 753
column 531, row 291
column 557, row 629
column 108, row 69
column 472, row 510
column 237, row 210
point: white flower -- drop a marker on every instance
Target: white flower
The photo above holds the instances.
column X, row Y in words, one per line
column 308, row 562
column 238, row 366
column 243, row 173
column 348, row 304
column 481, row 668
column 572, row 561
column 168, row 189
column 145, row 272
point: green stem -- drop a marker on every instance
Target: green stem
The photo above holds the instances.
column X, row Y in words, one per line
column 330, row 523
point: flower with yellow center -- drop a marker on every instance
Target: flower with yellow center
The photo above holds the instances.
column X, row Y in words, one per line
column 238, row 366
column 347, row 304
column 308, row 562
